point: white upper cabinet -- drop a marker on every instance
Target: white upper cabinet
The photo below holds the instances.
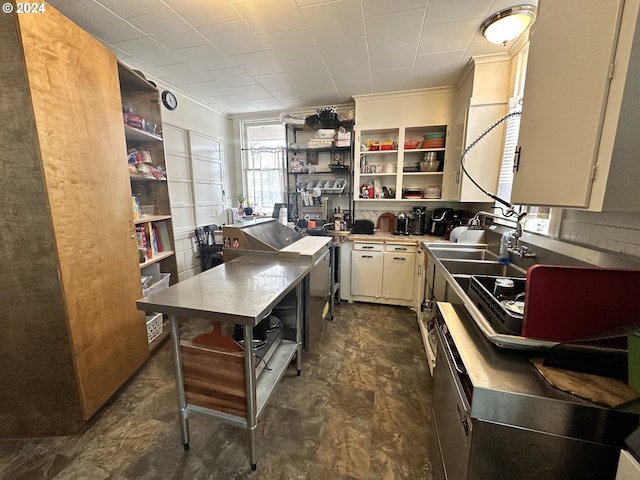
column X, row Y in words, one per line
column 481, row 100
column 579, row 134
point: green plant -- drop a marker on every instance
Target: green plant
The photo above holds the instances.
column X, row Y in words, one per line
column 241, row 199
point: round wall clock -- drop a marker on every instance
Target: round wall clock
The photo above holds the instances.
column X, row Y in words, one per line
column 169, row 100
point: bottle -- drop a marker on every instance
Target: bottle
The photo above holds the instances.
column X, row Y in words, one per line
column 505, row 242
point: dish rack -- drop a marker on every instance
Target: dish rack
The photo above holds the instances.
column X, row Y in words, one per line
column 327, row 186
column 502, row 319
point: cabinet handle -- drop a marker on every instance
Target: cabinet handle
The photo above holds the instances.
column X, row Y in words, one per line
column 399, row 258
column 367, row 256
column 400, row 249
column 516, row 159
column 367, row 246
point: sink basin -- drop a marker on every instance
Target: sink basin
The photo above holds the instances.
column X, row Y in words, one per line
column 464, row 253
column 481, row 267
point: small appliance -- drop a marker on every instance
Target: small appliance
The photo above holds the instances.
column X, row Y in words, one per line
column 419, row 220
column 439, row 219
column 402, row 224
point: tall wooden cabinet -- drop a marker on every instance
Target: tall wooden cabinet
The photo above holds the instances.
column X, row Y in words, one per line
column 69, row 278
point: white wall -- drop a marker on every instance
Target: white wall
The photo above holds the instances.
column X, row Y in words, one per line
column 613, row 232
column 195, row 117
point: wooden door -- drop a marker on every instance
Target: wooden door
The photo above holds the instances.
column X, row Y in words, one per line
column 75, row 95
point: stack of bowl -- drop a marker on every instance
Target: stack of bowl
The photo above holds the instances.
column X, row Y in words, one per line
column 433, row 140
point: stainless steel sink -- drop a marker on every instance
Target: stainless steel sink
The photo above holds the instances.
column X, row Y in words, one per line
column 481, row 267
column 464, row 253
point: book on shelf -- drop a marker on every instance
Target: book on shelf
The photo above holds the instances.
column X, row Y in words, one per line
column 163, row 235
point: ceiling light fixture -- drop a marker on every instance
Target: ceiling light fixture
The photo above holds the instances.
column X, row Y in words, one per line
column 506, row 25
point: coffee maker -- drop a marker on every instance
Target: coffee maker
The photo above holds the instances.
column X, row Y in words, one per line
column 402, row 224
column 419, row 220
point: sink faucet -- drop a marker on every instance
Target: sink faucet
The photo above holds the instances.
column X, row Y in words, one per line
column 515, row 245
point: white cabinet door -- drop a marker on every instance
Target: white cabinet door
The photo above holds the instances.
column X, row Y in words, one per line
column 399, row 273
column 366, row 273
column 571, row 54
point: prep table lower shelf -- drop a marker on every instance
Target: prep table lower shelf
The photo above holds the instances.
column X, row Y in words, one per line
column 243, row 292
column 265, row 384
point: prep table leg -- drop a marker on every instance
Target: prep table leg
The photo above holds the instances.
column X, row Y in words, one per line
column 299, row 316
column 250, row 382
column 177, row 370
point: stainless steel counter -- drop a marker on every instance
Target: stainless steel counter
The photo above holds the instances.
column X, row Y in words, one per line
column 496, row 417
column 241, row 291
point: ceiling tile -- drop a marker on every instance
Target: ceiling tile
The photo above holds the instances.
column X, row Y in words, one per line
column 346, row 63
column 446, row 11
column 393, row 39
column 200, row 13
column 267, row 104
column 188, row 72
column 153, row 52
column 233, row 77
column 267, row 16
column 291, row 44
column 99, row 21
column 168, row 28
column 251, row 92
column 127, row 8
column 339, row 19
column 207, row 56
column 258, row 63
column 276, row 81
column 350, row 89
column 233, row 38
column 379, row 7
column 447, row 36
column 392, row 80
column 438, row 63
column 148, row 70
column 435, row 81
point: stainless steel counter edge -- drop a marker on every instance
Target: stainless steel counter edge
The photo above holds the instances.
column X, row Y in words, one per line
column 508, row 390
column 241, row 291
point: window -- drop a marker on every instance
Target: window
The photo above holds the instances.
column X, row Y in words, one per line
column 264, row 166
column 538, row 218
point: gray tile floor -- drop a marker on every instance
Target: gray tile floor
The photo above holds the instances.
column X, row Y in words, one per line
column 360, row 410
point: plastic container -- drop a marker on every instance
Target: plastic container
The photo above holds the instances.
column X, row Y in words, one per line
column 147, row 210
column 159, row 283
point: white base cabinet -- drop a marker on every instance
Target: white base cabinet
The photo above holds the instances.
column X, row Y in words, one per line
column 383, row 272
column 367, row 263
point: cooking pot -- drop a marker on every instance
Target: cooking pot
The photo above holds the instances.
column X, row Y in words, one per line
column 429, row 163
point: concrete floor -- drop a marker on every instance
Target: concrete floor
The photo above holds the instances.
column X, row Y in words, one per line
column 360, row 410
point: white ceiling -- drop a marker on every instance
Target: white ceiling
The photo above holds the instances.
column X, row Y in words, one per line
column 243, row 56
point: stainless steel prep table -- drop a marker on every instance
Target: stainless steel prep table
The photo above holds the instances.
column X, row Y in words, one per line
column 242, row 291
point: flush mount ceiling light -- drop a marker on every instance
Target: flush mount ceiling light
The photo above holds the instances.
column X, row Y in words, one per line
column 505, row 25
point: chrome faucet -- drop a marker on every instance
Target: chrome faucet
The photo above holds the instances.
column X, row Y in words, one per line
column 515, row 245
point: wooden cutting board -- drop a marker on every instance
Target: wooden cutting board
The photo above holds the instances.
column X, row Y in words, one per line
column 386, row 222
column 605, row 391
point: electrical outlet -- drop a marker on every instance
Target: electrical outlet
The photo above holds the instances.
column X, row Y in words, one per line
column 214, row 212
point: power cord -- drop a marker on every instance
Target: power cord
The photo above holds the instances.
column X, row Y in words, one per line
column 510, row 210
